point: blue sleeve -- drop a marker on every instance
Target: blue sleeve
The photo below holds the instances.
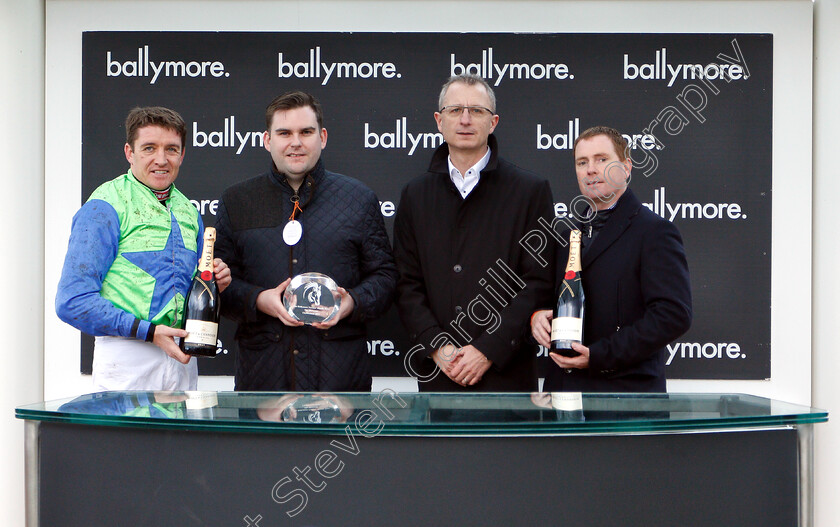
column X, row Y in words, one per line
column 94, row 241
column 110, row 403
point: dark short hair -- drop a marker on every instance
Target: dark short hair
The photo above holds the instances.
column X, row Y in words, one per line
column 154, row 116
column 469, row 79
column 290, row 101
column 618, row 141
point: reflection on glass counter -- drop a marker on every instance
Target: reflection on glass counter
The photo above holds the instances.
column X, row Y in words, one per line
column 392, row 413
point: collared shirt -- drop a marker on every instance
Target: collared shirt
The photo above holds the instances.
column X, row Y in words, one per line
column 465, row 183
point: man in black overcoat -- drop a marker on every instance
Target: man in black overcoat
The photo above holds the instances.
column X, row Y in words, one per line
column 468, row 281
column 635, row 280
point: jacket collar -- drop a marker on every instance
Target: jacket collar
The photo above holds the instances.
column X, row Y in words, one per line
column 151, row 192
column 310, row 182
column 440, row 163
column 625, row 210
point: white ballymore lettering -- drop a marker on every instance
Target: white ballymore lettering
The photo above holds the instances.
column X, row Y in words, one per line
column 388, row 209
column 146, row 67
column 314, row 68
column 383, row 347
column 561, row 141
column 709, row 350
column 732, row 69
column 494, row 73
column 566, row 141
column 402, row 138
column 206, row 206
column 691, row 211
column 228, row 137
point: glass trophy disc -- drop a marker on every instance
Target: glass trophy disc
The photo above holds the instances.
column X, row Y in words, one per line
column 312, row 409
column 312, row 298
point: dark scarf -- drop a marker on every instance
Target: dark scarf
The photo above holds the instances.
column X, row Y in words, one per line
column 593, row 226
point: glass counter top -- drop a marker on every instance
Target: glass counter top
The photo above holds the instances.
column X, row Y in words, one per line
column 423, row 414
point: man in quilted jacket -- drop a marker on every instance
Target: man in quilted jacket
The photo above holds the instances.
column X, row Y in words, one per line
column 299, row 217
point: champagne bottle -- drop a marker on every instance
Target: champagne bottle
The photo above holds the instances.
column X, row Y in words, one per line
column 201, row 312
column 567, row 324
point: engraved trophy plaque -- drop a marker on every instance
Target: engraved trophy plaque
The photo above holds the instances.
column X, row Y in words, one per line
column 312, row 298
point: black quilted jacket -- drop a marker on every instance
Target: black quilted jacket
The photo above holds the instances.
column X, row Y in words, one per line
column 343, row 237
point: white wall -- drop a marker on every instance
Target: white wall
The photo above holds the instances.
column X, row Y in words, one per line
column 826, row 255
column 21, row 235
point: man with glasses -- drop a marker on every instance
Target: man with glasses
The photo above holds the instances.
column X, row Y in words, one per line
column 467, row 286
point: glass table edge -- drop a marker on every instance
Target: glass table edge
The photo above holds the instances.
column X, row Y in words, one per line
column 535, row 428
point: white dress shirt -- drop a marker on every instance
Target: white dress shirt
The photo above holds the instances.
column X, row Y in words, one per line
column 466, row 182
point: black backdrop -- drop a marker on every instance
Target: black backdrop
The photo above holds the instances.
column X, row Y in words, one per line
column 698, row 105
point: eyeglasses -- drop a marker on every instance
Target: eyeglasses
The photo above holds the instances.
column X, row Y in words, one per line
column 475, row 111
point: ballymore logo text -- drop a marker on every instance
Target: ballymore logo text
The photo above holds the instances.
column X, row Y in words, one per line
column 494, row 72
column 316, row 68
column 145, row 67
column 660, row 69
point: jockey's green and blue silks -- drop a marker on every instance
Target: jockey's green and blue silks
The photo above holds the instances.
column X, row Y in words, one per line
column 130, row 260
column 135, row 404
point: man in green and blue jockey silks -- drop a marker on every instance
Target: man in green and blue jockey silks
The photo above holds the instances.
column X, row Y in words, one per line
column 133, row 250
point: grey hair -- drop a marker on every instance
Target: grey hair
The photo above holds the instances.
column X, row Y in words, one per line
column 470, row 79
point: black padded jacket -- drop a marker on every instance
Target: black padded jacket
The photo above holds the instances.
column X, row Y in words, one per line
column 343, row 237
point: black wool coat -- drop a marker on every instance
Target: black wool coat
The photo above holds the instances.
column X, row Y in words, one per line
column 638, row 299
column 466, row 276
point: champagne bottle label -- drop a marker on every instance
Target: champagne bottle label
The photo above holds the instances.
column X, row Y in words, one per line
column 567, row 328
column 205, row 265
column 197, row 400
column 201, row 332
column 567, row 401
column 573, row 263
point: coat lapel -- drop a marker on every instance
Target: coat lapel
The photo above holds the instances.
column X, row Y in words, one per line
column 627, row 207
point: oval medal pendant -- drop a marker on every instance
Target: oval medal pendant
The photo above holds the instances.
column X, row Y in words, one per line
column 292, row 232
